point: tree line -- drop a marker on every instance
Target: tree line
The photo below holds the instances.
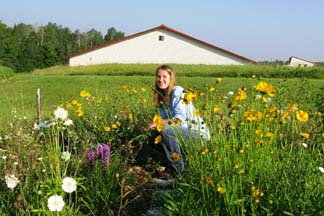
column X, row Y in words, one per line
column 25, row 47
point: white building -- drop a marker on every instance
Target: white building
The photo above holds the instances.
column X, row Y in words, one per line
column 158, row 45
column 297, row 62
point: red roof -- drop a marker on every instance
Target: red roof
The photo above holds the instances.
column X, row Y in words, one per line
column 164, row 27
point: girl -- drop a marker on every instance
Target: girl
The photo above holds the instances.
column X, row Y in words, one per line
column 178, row 117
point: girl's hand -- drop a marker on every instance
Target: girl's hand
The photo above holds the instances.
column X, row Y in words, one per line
column 152, row 126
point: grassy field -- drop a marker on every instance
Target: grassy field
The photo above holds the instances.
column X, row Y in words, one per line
column 265, row 156
column 18, row 95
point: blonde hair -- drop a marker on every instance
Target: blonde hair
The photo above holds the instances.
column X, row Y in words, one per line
column 163, row 96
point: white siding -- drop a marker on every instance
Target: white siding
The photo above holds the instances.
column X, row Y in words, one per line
column 147, row 48
column 296, row 62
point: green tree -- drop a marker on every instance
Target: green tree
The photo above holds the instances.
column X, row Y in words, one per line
column 113, row 34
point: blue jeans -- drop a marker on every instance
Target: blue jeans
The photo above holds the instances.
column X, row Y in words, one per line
column 172, row 136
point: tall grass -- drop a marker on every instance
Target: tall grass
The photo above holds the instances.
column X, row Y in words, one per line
column 5, row 72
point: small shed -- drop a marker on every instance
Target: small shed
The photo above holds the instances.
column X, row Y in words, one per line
column 298, row 62
column 158, row 45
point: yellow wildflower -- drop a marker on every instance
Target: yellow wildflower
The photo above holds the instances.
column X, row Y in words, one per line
column 157, row 119
column 216, row 109
column 270, row 135
column 68, row 106
column 189, row 97
column 219, row 80
column 160, row 127
column 220, row 190
column 84, row 93
column 304, row 135
column 158, row 139
column 293, row 107
column 79, row 112
column 212, row 89
column 259, row 133
column 266, row 88
column 107, row 128
column 114, row 126
column 196, row 113
column 302, row 116
column 203, row 150
column 241, row 95
column 130, row 117
column 175, row 156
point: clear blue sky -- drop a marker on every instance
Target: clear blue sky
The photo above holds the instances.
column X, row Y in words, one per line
column 257, row 29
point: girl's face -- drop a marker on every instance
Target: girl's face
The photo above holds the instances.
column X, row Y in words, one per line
column 163, row 79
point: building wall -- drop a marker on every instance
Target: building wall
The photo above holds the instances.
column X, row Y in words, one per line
column 147, row 48
column 295, row 62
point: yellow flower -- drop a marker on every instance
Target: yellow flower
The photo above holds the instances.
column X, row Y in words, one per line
column 114, row 126
column 293, row 107
column 212, row 89
column 304, row 135
column 219, row 80
column 241, row 95
column 107, row 128
column 68, row 106
column 216, row 109
column 158, row 139
column 189, row 97
column 160, row 127
column 130, row 117
column 157, row 119
column 143, row 89
column 118, row 123
column 84, row 93
column 196, row 113
column 203, row 150
column 259, row 143
column 175, row 156
column 176, row 122
column 266, row 88
column 319, row 114
column 220, row 190
column 302, row 116
column 270, row 135
column 79, row 112
column 259, row 133
column 75, row 102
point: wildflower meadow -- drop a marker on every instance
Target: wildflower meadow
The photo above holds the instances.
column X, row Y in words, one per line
column 92, row 154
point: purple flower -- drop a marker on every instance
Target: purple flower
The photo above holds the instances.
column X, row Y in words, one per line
column 91, row 157
column 100, row 150
column 31, row 153
column 106, row 155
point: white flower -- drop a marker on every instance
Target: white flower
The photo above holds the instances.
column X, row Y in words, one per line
column 69, row 185
column 4, row 157
column 68, row 122
column 36, row 126
column 11, row 181
column 321, row 169
column 305, row 145
column 66, row 156
column 60, row 113
column 15, row 163
column 55, row 203
column 225, row 97
column 258, row 97
column 269, row 100
column 230, row 93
